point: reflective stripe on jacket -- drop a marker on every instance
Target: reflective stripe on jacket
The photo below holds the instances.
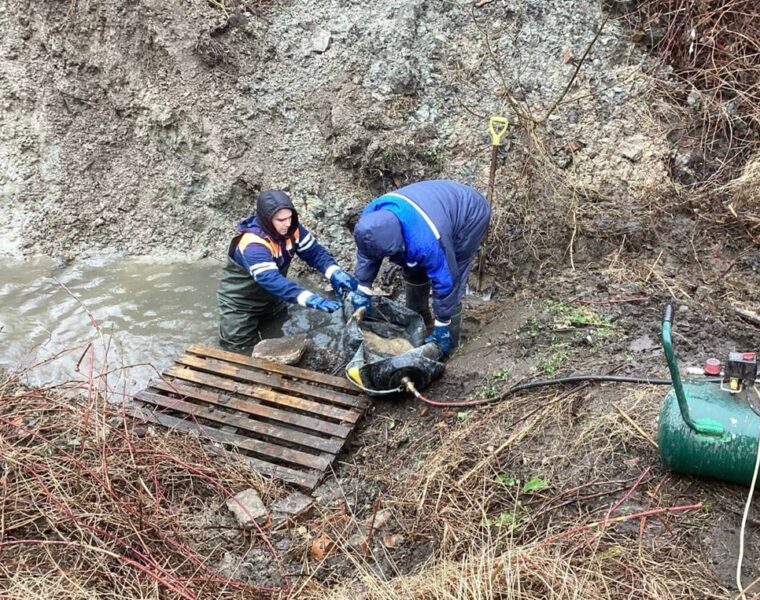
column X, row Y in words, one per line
column 267, row 260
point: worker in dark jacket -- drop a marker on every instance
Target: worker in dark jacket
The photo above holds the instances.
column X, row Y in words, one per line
column 433, row 230
column 254, row 282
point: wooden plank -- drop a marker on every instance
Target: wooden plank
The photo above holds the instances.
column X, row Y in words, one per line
column 254, row 408
column 273, row 380
column 215, row 368
column 305, row 479
column 274, row 451
column 263, row 394
column 266, row 365
column 294, row 436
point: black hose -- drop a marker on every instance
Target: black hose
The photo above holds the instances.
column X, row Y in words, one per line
column 544, row 382
column 619, row 378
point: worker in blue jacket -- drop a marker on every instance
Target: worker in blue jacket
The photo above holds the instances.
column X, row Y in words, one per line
column 432, row 229
column 254, row 283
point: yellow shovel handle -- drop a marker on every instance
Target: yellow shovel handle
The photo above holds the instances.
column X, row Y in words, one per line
column 497, row 127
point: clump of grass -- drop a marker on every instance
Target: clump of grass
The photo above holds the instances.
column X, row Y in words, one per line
column 493, row 383
column 566, row 316
column 93, row 508
column 506, row 524
column 557, row 357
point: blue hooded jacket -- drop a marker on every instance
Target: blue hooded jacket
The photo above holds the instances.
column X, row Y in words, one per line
column 266, row 255
column 435, row 226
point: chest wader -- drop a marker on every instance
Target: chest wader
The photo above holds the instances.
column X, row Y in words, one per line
column 242, row 302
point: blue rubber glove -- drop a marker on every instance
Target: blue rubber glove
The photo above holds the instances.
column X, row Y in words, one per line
column 441, row 335
column 361, row 300
column 343, row 283
column 323, row 304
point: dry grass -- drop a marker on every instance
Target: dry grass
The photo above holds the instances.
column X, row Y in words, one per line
column 714, row 46
column 543, row 211
column 598, row 530
column 712, row 51
column 92, row 508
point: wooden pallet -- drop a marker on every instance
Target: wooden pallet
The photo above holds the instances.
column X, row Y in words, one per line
column 288, row 422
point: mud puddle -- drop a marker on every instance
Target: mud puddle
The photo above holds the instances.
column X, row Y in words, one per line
column 133, row 314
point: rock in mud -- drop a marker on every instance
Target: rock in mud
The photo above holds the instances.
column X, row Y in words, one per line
column 291, row 506
column 641, row 344
column 248, row 508
column 284, row 350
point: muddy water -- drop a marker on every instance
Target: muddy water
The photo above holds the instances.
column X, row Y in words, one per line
column 118, row 319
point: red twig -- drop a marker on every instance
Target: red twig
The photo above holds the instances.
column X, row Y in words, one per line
column 628, row 494
column 605, row 522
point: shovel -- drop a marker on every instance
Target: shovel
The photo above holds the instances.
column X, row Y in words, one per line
column 497, row 128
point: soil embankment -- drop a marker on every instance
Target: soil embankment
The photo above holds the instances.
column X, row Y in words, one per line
column 148, row 127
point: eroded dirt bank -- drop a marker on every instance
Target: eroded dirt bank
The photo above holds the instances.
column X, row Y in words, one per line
column 146, row 127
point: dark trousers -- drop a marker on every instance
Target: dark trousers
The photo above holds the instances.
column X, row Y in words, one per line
column 242, row 304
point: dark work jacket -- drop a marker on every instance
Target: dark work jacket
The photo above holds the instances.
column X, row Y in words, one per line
column 435, row 226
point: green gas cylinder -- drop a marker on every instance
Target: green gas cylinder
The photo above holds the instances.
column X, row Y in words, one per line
column 703, row 429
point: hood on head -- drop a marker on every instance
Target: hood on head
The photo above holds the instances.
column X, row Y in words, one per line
column 268, row 203
column 378, row 234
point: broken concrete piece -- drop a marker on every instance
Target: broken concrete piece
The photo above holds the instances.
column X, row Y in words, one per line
column 293, row 505
column 318, row 43
column 632, row 149
column 248, row 508
column 284, row 350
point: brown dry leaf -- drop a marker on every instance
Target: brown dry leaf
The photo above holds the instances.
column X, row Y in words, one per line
column 441, row 425
column 424, row 410
column 392, row 540
column 567, row 56
column 320, row 546
column 448, row 414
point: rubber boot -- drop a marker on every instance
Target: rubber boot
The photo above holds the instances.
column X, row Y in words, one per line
column 418, row 299
column 456, row 326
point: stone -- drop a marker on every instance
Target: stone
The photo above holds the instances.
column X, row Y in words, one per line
column 248, row 508
column 372, row 524
column 694, row 99
column 632, row 149
column 562, row 159
column 292, row 506
column 318, row 43
column 284, row 350
column 642, row 344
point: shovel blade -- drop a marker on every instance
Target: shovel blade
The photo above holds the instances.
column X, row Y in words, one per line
column 480, row 285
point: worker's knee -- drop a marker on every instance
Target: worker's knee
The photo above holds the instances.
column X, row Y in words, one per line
column 238, row 330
